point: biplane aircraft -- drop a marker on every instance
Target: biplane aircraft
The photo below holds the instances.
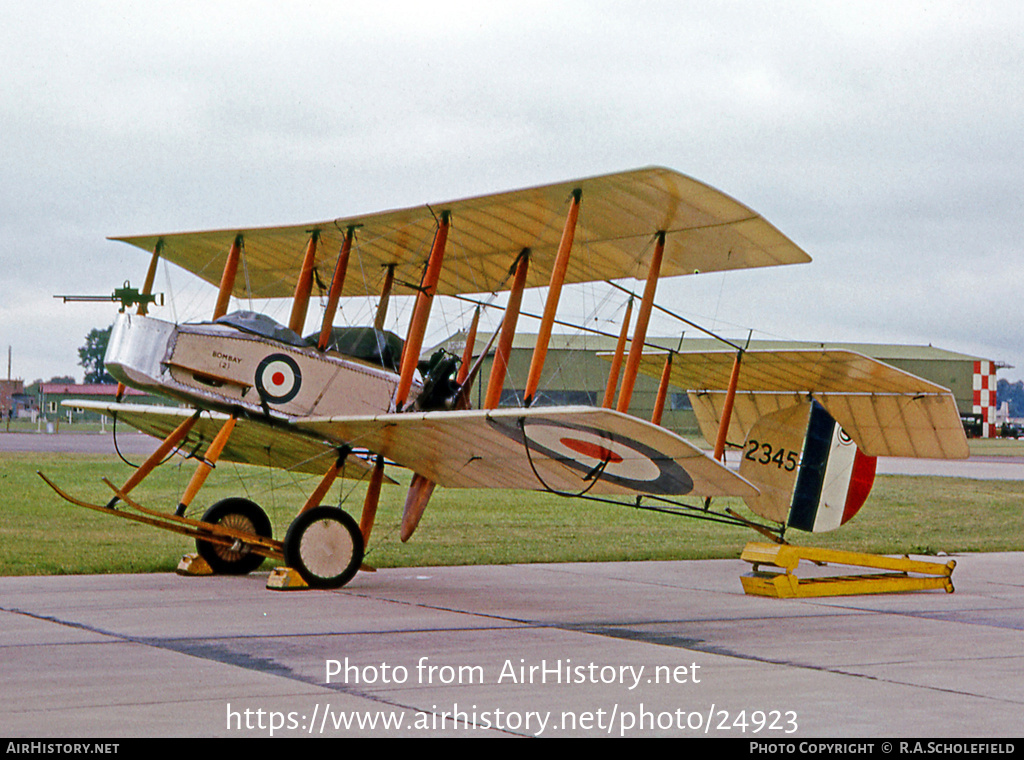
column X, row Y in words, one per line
column 346, row 402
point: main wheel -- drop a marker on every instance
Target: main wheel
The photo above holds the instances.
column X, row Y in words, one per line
column 237, row 514
column 325, row 546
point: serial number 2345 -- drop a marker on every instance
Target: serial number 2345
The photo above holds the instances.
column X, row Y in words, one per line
column 764, row 453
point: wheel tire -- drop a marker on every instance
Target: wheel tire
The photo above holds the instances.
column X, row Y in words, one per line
column 238, row 514
column 326, row 546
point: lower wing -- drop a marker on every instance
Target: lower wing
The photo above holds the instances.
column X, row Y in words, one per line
column 569, row 450
column 251, row 441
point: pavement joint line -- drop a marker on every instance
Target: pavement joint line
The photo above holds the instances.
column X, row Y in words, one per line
column 822, row 669
column 70, row 624
column 238, row 659
column 231, row 659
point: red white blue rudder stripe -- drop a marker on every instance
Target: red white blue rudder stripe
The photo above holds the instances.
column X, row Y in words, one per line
column 809, row 473
column 834, row 477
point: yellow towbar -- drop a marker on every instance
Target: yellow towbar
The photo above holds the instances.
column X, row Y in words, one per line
column 904, row 574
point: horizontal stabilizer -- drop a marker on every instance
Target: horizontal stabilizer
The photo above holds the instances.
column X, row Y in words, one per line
column 886, row 411
column 926, row 427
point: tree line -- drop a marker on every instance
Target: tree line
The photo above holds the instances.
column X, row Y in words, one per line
column 1013, row 393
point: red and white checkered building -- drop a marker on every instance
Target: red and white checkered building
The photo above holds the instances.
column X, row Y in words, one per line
column 985, row 397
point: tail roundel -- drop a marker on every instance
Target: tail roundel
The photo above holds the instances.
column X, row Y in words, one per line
column 810, row 473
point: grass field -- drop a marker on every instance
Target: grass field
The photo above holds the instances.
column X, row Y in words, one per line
column 996, row 447
column 42, row 534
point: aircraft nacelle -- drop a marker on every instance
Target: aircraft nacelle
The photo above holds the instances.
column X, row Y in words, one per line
column 217, row 365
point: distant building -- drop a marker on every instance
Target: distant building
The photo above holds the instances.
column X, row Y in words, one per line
column 52, row 394
column 11, row 393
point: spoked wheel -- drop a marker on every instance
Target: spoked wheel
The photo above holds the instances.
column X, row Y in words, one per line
column 237, row 514
column 325, row 546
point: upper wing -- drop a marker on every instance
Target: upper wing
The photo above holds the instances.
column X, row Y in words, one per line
column 886, row 411
column 569, row 450
column 251, row 442
column 619, row 214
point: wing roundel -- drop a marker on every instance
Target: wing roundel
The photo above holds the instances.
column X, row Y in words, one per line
column 566, row 450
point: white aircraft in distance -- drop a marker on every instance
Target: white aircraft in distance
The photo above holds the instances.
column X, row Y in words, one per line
column 347, row 401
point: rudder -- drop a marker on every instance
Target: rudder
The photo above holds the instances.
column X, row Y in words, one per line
column 811, row 474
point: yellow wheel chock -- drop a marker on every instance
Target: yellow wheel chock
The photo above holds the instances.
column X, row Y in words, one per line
column 193, row 564
column 904, row 574
column 286, row 579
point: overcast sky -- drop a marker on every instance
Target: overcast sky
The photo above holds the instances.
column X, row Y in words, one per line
column 886, row 139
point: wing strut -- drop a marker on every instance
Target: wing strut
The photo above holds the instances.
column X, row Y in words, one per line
column 176, row 437
column 421, row 488
column 636, row 348
column 620, row 348
column 147, row 287
column 659, row 401
column 227, row 279
column 385, row 298
column 540, row 351
column 467, row 352
column 337, row 283
column 499, row 366
column 206, row 464
column 316, row 498
column 730, row 397
column 421, row 312
column 371, row 500
column 304, row 286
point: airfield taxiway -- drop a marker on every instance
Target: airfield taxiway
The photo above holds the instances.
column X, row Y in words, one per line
column 602, row 649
